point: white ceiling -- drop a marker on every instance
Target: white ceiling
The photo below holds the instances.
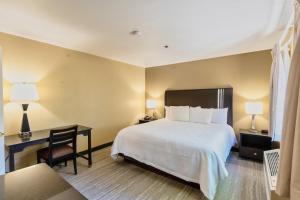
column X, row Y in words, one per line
column 193, row 29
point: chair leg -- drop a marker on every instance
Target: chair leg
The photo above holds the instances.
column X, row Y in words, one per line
column 50, row 164
column 66, row 163
column 75, row 165
column 38, row 159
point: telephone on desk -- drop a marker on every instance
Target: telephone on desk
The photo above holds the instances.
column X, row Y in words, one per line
column 147, row 118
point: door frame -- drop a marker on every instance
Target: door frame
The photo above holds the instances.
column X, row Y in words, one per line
column 2, row 150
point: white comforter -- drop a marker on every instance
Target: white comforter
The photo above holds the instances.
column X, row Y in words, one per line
column 194, row 152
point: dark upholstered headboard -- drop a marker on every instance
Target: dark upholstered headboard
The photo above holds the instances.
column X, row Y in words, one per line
column 206, row 98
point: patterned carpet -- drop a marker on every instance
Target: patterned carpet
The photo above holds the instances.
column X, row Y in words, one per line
column 117, row 180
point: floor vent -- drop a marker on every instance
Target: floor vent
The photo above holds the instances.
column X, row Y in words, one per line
column 271, row 165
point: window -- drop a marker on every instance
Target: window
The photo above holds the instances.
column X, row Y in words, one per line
column 279, row 78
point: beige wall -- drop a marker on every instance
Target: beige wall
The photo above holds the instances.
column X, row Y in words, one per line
column 107, row 95
column 248, row 74
column 74, row 88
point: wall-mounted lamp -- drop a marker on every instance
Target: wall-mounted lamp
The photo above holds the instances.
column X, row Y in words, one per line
column 253, row 108
column 24, row 93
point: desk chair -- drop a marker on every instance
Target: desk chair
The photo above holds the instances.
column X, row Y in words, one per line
column 59, row 149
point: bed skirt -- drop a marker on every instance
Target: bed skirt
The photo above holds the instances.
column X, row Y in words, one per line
column 157, row 171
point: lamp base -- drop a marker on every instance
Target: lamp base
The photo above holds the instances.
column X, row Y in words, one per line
column 25, row 128
column 154, row 115
column 253, row 130
column 25, row 135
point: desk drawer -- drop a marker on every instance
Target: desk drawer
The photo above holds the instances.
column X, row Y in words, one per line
column 252, row 153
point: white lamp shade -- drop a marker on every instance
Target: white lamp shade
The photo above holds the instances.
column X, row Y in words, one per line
column 254, row 108
column 151, row 104
column 24, row 92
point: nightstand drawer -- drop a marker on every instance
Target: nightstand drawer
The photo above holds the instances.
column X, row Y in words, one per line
column 253, row 153
column 255, row 141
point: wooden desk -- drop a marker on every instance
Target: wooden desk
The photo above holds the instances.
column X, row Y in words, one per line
column 14, row 144
column 37, row 182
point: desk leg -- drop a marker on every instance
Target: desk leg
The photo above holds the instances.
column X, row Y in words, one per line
column 90, row 148
column 11, row 160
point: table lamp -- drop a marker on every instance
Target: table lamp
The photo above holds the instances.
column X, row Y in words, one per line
column 253, row 108
column 151, row 105
column 24, row 93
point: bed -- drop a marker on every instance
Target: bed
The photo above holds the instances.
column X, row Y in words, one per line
column 193, row 152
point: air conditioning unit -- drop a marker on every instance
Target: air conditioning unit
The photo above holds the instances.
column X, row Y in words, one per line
column 271, row 165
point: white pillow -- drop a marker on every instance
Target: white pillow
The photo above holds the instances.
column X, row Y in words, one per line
column 180, row 113
column 201, row 115
column 219, row 115
column 168, row 112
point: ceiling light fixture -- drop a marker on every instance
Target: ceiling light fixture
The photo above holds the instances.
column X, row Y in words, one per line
column 135, row 33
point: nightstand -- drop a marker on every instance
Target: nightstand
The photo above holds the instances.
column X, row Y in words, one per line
column 142, row 121
column 252, row 145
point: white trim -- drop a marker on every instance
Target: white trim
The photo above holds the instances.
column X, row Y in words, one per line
column 2, row 152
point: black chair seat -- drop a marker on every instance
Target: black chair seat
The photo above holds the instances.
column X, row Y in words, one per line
column 58, row 152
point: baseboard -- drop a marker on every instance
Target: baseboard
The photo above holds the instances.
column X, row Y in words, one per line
column 96, row 148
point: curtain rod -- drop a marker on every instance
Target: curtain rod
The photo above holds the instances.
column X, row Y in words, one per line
column 290, row 25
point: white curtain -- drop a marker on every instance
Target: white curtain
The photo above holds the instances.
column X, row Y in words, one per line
column 279, row 78
column 288, row 183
